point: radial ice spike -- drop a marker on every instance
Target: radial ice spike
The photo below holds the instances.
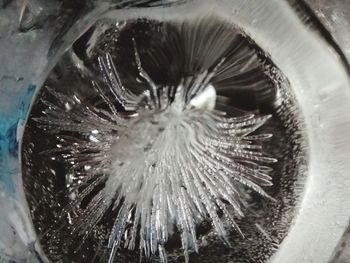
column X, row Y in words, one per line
column 167, row 161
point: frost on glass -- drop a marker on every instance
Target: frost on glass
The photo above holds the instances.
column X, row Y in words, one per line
column 163, row 140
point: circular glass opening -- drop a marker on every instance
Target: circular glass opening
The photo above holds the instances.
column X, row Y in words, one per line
column 163, row 140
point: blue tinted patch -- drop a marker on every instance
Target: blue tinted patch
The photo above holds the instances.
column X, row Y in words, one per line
column 9, row 144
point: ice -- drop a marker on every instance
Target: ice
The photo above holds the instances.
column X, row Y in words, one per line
column 173, row 163
column 157, row 144
column 74, row 136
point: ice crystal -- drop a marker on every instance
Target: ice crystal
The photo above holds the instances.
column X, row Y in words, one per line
column 167, row 159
